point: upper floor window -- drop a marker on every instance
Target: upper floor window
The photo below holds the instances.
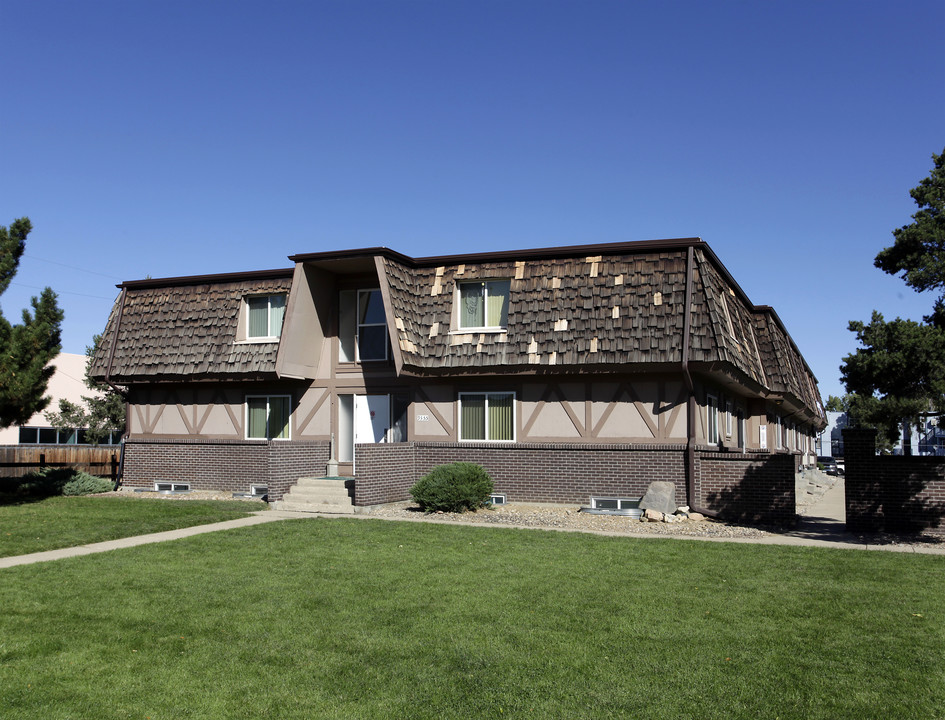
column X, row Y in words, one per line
column 484, row 304
column 362, row 326
column 264, row 316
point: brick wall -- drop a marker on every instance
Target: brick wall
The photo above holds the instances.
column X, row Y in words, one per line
column 753, row 487
column 894, row 493
column 226, row 465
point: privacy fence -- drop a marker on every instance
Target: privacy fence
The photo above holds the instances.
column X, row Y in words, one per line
column 18, row 460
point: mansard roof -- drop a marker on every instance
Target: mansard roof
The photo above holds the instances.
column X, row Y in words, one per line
column 186, row 327
column 616, row 307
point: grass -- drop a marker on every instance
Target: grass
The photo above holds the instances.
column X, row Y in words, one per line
column 373, row 619
column 34, row 525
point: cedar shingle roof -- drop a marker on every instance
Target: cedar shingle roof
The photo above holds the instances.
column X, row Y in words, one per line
column 187, row 329
column 618, row 307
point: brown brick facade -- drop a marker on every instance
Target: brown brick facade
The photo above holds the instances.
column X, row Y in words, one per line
column 755, row 487
column 752, row 488
column 748, row 487
column 892, row 493
column 230, row 466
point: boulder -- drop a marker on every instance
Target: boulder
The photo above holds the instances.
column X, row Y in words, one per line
column 696, row 516
column 661, row 495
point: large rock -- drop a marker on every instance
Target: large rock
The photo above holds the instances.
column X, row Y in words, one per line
column 661, row 495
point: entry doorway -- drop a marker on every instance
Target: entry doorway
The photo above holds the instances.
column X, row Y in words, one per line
column 369, row 419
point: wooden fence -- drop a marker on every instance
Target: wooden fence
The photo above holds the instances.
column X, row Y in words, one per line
column 18, row 460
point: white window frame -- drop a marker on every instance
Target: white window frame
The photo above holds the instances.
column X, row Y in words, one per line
column 270, row 337
column 623, row 503
column 268, row 412
column 712, row 419
column 728, row 418
column 357, row 292
column 763, row 434
column 486, row 394
column 485, row 283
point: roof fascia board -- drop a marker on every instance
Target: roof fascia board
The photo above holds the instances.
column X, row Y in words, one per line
column 562, row 251
column 205, row 279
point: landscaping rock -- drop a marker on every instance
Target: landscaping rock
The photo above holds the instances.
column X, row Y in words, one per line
column 696, row 516
column 661, row 495
column 651, row 515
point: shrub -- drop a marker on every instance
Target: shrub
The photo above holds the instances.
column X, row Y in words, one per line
column 455, row 487
column 85, row 484
column 59, row 481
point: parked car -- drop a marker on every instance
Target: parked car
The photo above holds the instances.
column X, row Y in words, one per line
column 828, row 465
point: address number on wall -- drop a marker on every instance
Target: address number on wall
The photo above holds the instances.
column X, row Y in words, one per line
column 423, row 418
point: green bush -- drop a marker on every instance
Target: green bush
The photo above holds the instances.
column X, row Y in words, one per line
column 85, row 484
column 455, row 487
column 59, row 481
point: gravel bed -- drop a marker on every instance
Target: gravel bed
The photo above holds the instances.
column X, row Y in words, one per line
column 569, row 517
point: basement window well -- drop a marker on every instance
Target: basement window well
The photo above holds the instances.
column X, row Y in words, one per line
column 614, row 506
column 168, row 487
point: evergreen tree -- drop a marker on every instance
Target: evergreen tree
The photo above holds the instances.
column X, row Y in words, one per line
column 899, row 373
column 26, row 348
column 102, row 414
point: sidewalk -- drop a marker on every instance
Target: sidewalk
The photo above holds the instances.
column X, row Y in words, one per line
column 264, row 516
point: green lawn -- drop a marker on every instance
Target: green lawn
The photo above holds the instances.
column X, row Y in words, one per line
column 370, row 619
column 35, row 525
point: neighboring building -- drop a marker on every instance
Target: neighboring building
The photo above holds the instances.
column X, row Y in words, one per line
column 67, row 383
column 571, row 373
column 830, row 439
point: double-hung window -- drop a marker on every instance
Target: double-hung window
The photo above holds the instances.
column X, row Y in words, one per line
column 362, row 326
column 484, row 304
column 487, row 416
column 267, row 417
column 264, row 316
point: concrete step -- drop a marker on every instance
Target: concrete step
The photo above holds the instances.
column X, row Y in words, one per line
column 299, row 492
column 317, row 494
column 314, row 507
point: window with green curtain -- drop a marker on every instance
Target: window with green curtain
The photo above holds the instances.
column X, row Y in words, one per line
column 267, row 417
column 500, row 417
column 487, row 416
column 258, row 317
column 256, row 411
column 276, row 314
column 279, row 417
column 497, row 303
column 471, row 305
column 265, row 316
column 472, row 420
column 484, row 304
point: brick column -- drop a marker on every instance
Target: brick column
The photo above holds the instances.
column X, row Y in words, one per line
column 864, row 495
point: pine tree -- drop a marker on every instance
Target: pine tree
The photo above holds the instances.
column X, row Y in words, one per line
column 26, row 348
column 899, row 372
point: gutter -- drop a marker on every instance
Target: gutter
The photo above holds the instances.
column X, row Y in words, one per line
column 691, row 402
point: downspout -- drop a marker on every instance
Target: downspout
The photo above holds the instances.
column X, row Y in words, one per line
column 691, row 402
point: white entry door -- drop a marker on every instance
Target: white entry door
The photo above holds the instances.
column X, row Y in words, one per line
column 371, row 418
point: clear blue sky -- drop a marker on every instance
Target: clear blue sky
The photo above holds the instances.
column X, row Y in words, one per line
column 173, row 138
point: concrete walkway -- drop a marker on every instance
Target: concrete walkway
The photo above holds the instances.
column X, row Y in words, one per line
column 823, row 525
column 257, row 518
